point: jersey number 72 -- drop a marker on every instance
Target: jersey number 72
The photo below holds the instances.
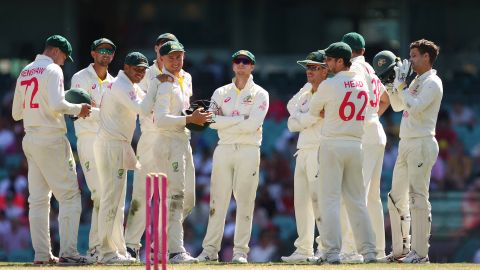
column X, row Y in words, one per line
column 27, row 84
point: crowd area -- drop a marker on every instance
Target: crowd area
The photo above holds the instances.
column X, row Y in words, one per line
column 455, row 180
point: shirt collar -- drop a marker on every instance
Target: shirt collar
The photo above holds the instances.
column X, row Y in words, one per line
column 123, row 76
column 359, row 58
column 181, row 73
column 248, row 85
column 426, row 74
column 44, row 57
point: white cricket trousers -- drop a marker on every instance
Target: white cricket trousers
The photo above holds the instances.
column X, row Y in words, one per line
column 409, row 194
column 113, row 179
column 51, row 168
column 340, row 167
column 149, row 159
column 305, row 199
column 172, row 154
column 372, row 173
column 235, row 168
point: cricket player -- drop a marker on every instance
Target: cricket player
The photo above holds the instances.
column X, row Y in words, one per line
column 374, row 140
column 344, row 98
column 236, row 159
column 145, row 152
column 113, row 151
column 94, row 79
column 306, row 166
column 418, row 150
column 39, row 101
column 172, row 147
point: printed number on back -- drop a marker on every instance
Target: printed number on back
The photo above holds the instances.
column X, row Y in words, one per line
column 346, row 103
column 376, row 92
column 27, row 84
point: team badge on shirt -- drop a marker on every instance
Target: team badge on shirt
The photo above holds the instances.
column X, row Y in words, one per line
column 248, row 99
column 120, row 173
column 175, row 166
column 70, row 164
column 87, row 166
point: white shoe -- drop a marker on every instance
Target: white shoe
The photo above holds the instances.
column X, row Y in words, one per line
column 318, row 254
column 413, row 257
column 296, row 258
column 390, row 258
column 117, row 259
column 182, row 257
column 92, row 255
column 75, row 260
column 205, row 257
column 239, row 258
column 370, row 258
column 134, row 253
column 351, row 257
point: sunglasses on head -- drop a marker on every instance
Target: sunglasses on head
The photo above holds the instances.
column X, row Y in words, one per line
column 244, row 61
column 105, row 51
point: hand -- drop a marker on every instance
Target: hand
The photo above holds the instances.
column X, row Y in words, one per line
column 94, row 104
column 390, row 89
column 199, row 117
column 86, row 110
column 322, row 114
column 402, row 71
column 165, row 78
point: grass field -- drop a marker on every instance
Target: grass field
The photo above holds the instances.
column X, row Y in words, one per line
column 255, row 266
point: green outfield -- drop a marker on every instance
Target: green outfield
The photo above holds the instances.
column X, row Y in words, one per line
column 272, row 266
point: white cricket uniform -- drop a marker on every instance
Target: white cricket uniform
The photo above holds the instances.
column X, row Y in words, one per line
column 148, row 158
column 373, row 145
column 172, row 149
column 114, row 154
column 417, row 153
column 306, row 167
column 236, row 162
column 86, row 131
column 39, row 101
column 344, row 98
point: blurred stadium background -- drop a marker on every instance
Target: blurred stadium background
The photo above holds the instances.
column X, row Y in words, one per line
column 278, row 33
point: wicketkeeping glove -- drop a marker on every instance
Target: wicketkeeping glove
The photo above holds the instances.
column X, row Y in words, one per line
column 403, row 75
column 208, row 105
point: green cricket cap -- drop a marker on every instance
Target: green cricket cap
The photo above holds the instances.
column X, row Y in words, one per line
column 166, row 37
column 171, row 46
column 101, row 41
column 316, row 57
column 61, row 43
column 136, row 59
column 246, row 53
column 339, row 50
column 354, row 40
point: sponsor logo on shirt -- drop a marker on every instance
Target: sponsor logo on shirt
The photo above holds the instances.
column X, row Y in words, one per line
column 405, row 114
column 132, row 95
column 94, row 86
column 235, row 113
column 227, row 99
column 263, row 106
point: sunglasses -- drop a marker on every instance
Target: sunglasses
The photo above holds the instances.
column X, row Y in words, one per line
column 105, row 51
column 244, row 61
column 314, row 67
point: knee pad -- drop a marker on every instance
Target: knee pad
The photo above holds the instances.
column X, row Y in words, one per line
column 400, row 225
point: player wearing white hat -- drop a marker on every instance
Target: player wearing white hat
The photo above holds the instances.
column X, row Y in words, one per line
column 113, row 152
column 306, row 166
column 94, row 79
column 344, row 98
column 373, row 145
column 39, row 101
column 418, row 150
column 236, row 159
